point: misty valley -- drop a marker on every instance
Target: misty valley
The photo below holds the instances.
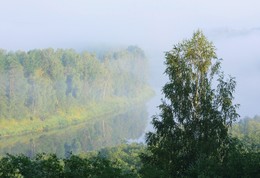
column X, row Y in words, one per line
column 129, row 89
column 49, row 89
column 70, row 114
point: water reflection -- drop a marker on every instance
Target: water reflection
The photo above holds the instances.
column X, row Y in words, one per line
column 84, row 137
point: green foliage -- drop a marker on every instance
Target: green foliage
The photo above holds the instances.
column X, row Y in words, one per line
column 248, row 131
column 76, row 166
column 40, row 85
column 124, row 161
column 194, row 120
column 125, row 156
column 239, row 162
column 42, row 166
column 110, row 162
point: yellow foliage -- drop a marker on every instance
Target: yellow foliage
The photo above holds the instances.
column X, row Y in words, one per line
column 39, row 73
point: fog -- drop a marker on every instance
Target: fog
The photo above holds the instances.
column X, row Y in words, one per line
column 153, row 25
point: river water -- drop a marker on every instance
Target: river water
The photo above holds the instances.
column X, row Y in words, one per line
column 83, row 137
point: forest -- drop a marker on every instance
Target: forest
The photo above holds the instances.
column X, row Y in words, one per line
column 43, row 89
column 124, row 160
column 198, row 132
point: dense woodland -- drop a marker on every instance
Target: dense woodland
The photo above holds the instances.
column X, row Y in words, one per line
column 121, row 161
column 248, row 131
column 196, row 134
column 46, row 84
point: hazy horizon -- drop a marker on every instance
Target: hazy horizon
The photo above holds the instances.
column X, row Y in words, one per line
column 155, row 26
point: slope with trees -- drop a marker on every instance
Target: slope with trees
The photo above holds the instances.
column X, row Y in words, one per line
column 192, row 135
column 47, row 88
column 248, row 131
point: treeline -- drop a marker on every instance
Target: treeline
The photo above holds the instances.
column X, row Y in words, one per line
column 41, row 82
column 248, row 131
column 121, row 161
column 191, row 135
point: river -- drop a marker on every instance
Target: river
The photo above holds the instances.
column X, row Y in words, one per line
column 92, row 135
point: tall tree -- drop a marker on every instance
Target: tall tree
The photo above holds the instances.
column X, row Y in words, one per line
column 3, row 83
column 15, row 86
column 195, row 116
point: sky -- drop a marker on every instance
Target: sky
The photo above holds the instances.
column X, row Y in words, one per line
column 155, row 26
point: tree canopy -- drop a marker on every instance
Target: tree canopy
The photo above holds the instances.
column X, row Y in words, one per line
column 62, row 85
column 38, row 83
column 195, row 116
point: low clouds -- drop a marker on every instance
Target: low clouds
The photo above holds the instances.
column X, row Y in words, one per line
column 231, row 32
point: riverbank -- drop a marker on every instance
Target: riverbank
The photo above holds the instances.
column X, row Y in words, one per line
column 73, row 116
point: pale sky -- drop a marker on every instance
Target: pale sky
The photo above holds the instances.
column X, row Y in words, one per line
column 154, row 25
